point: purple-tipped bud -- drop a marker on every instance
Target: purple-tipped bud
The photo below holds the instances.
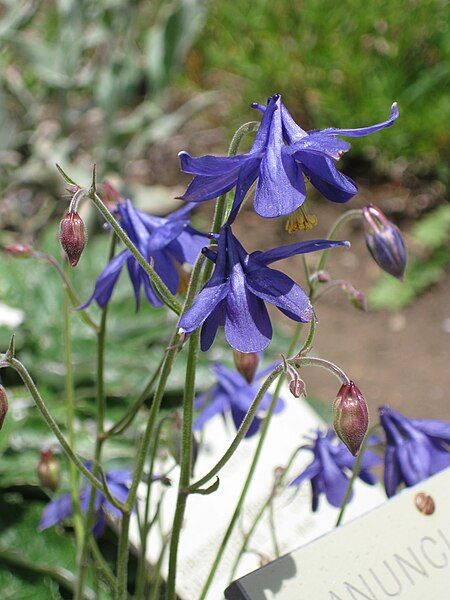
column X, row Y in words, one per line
column 48, row 470
column 323, row 276
column 72, row 235
column 384, row 241
column 297, row 387
column 351, row 417
column 246, row 364
column 19, row 250
column 3, row 405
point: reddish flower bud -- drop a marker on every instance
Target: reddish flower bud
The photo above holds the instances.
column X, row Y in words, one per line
column 357, row 298
column 351, row 417
column 246, row 364
column 323, row 276
column 48, row 470
column 110, row 195
column 19, row 250
column 72, row 236
column 3, row 405
column 297, row 387
column 384, row 241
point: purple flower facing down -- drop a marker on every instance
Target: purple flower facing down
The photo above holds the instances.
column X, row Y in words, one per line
column 241, row 284
column 61, row 508
column 330, row 469
column 168, row 242
column 281, row 157
column 415, row 449
column 232, row 394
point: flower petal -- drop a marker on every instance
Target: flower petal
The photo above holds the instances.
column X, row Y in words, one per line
column 204, row 188
column 311, row 471
column 211, row 325
column 56, row 511
column 392, row 475
column 211, row 166
column 325, row 177
column 247, row 323
column 279, row 289
column 280, row 189
column 362, row 131
column 281, row 252
column 322, row 144
column 203, row 305
column 106, row 281
column 433, row 428
column 238, row 416
column 217, row 406
column 247, row 176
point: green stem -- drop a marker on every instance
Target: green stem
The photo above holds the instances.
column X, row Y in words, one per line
column 240, row 503
column 345, row 218
column 273, row 533
column 186, row 460
column 29, row 383
column 354, row 476
column 161, row 288
column 100, row 400
column 102, row 566
column 129, row 416
column 70, row 393
column 63, row 577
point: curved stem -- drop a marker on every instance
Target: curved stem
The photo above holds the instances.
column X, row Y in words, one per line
column 355, row 213
column 241, row 431
column 240, row 503
column 31, row 386
column 314, row 361
column 186, row 461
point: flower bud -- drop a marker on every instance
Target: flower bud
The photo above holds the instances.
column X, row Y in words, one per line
column 384, row 241
column 48, row 470
column 72, row 236
column 19, row 250
column 297, row 387
column 323, row 276
column 3, row 405
column 246, row 364
column 351, row 418
column 357, row 298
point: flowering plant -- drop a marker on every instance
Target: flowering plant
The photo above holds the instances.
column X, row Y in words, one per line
column 209, row 281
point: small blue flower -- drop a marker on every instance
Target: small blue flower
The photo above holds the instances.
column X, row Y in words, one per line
column 233, row 394
column 118, row 483
column 329, row 471
column 280, row 168
column 235, row 295
column 415, row 449
column 167, row 242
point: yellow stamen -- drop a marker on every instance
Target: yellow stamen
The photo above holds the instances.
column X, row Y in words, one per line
column 300, row 221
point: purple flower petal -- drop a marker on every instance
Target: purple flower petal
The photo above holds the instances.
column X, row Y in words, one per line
column 280, row 189
column 433, row 428
column 217, row 406
column 105, row 283
column 305, row 247
column 204, row 304
column 204, row 188
column 247, row 176
column 211, row 325
column 279, row 289
column 362, row 131
column 238, row 416
column 211, row 166
column 56, row 511
column 322, row 144
column 392, row 475
column 325, row 177
column 311, row 471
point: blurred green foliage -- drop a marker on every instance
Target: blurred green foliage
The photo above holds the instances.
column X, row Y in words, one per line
column 338, row 64
column 85, row 81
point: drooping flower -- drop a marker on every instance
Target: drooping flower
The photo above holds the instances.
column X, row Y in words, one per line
column 232, row 394
column 384, row 241
column 330, row 469
column 415, row 449
column 61, row 508
column 241, row 283
column 168, row 242
column 280, row 168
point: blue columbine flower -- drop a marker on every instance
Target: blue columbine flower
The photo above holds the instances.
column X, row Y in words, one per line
column 279, row 167
column 415, row 449
column 168, row 242
column 118, row 483
column 235, row 295
column 329, row 470
column 233, row 394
